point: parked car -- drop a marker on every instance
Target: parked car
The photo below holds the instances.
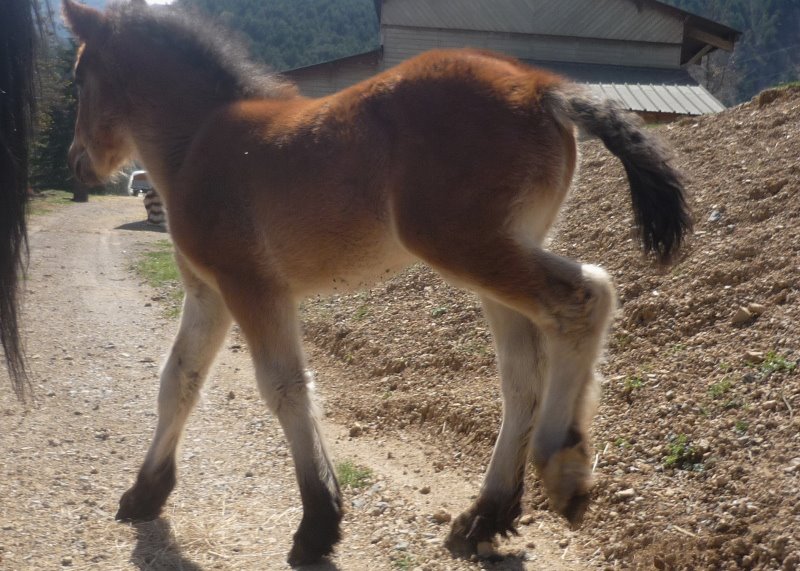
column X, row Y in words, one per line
column 138, row 182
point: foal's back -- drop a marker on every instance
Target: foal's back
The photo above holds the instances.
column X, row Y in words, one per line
column 341, row 188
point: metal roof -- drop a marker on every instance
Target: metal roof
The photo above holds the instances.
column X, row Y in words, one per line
column 641, row 89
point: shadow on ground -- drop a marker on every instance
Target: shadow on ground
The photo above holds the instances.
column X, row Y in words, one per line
column 156, row 548
column 143, row 226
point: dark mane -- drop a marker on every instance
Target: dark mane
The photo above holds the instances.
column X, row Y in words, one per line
column 214, row 49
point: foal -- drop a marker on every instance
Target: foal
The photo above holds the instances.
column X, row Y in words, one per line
column 460, row 159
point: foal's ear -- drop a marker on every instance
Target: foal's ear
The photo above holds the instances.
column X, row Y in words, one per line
column 85, row 22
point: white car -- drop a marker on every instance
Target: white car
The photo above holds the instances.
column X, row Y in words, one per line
column 138, row 182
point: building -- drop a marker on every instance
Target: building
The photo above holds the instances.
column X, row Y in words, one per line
column 634, row 51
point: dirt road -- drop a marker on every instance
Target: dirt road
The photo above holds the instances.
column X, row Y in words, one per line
column 95, row 338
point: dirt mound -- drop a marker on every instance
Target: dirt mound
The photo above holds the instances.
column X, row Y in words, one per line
column 698, row 432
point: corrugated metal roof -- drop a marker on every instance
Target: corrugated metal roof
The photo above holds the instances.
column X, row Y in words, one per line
column 641, row 89
column 680, row 99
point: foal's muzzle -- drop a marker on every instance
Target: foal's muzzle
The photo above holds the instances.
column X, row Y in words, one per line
column 81, row 166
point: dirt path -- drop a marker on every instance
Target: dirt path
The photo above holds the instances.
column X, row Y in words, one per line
column 95, row 340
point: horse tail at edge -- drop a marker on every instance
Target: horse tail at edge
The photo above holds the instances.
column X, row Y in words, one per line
column 657, row 187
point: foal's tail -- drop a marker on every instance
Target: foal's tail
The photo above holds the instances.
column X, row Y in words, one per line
column 657, row 192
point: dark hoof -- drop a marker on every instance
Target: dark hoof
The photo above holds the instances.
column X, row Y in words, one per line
column 458, row 541
column 576, row 508
column 316, row 536
column 145, row 500
column 474, row 531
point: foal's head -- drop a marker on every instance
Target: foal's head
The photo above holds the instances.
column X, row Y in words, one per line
column 137, row 65
column 102, row 141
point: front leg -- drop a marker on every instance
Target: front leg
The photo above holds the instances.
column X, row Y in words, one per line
column 268, row 318
column 204, row 323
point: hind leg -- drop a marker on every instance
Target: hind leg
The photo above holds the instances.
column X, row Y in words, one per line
column 204, row 324
column 570, row 303
column 523, row 366
column 267, row 316
column 561, row 449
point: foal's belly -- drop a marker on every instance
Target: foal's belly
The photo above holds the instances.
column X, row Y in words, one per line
column 348, row 268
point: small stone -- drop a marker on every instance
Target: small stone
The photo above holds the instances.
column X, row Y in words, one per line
column 66, row 560
column 425, row 490
column 741, row 316
column 442, row 516
column 248, row 474
column 356, row 430
column 625, row 494
column 756, row 308
column 754, row 357
column 715, row 216
column 231, row 395
column 401, row 546
column 527, row 519
column 379, row 508
column 563, row 543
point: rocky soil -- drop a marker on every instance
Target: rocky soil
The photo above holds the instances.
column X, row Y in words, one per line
column 698, row 432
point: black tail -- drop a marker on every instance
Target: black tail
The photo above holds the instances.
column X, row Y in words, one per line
column 18, row 40
column 657, row 192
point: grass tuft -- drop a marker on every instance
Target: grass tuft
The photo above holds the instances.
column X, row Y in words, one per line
column 682, row 455
column 351, row 475
column 157, row 266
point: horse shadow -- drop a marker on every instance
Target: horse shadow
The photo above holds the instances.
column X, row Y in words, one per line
column 157, row 549
column 143, row 226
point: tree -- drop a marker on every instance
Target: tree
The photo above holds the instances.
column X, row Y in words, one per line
column 56, row 121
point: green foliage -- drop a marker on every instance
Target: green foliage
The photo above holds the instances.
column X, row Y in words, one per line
column 288, row 34
column 361, row 312
column 56, row 121
column 776, row 363
column 718, row 389
column 350, row 475
column 633, row 383
column 438, row 312
column 681, row 455
column 403, row 562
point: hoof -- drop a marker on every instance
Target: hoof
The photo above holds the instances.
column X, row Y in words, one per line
column 145, row 500
column 475, row 530
column 132, row 509
column 568, row 482
column 576, row 508
column 316, row 536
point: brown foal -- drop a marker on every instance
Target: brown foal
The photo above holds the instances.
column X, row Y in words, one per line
column 460, row 159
